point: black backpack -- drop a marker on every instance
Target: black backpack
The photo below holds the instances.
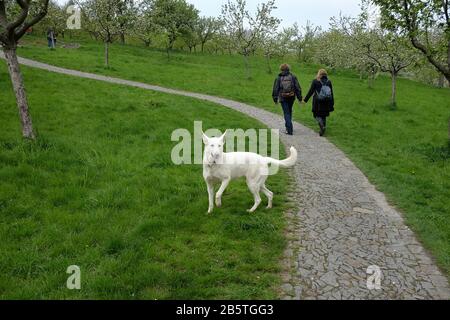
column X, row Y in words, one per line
column 287, row 86
column 325, row 94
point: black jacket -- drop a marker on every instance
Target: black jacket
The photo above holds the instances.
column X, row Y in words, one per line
column 276, row 93
column 320, row 109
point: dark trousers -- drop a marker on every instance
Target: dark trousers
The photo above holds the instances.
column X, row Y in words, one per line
column 287, row 110
column 322, row 120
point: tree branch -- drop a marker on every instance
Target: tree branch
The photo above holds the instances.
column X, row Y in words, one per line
column 411, row 27
column 3, row 21
column 19, row 33
column 446, row 13
column 25, row 6
column 417, row 44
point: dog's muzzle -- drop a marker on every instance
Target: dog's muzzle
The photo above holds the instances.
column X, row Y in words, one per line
column 213, row 160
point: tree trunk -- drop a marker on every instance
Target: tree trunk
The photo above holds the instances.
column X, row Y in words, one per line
column 53, row 40
column 371, row 79
column 394, row 90
column 106, row 54
column 247, row 67
column 19, row 90
column 441, row 81
column 122, row 38
column 203, row 46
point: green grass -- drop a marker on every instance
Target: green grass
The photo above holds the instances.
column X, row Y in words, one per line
column 98, row 190
column 403, row 152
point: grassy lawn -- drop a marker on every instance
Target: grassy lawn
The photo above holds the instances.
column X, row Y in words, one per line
column 98, row 190
column 403, row 152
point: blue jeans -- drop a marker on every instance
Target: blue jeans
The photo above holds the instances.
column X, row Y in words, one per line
column 287, row 110
column 50, row 43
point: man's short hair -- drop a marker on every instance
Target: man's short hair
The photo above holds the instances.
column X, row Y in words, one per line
column 285, row 67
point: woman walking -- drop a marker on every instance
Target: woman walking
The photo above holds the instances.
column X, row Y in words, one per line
column 323, row 99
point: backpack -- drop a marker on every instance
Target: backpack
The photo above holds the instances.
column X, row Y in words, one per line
column 287, row 86
column 325, row 94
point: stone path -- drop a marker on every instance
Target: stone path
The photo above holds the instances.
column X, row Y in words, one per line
column 342, row 224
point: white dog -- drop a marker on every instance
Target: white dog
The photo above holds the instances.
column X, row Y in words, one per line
column 224, row 167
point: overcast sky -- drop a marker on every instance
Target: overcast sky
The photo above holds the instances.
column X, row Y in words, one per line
column 316, row 11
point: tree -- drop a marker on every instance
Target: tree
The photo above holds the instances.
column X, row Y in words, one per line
column 310, row 32
column 191, row 39
column 219, row 43
column 388, row 50
column 286, row 40
column 270, row 49
column 174, row 18
column 206, row 28
column 269, row 34
column 246, row 31
column 390, row 53
column 337, row 46
column 12, row 28
column 425, row 23
column 144, row 27
column 127, row 12
column 56, row 18
column 103, row 18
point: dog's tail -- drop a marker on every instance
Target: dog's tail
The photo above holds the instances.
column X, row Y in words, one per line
column 289, row 162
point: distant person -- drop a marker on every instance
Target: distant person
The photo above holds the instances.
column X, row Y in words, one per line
column 51, row 38
column 323, row 99
column 285, row 89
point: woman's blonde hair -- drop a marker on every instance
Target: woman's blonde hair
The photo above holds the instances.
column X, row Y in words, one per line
column 322, row 73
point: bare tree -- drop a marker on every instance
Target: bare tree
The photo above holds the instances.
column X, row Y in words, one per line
column 12, row 28
column 245, row 30
column 390, row 53
column 375, row 47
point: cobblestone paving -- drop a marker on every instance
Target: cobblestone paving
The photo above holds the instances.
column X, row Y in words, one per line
column 342, row 224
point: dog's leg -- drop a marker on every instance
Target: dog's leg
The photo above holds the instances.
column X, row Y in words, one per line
column 210, row 186
column 221, row 191
column 254, row 189
column 269, row 195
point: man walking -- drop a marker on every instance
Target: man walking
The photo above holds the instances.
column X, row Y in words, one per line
column 285, row 89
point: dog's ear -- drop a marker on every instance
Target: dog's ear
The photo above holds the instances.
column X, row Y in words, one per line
column 205, row 138
column 222, row 138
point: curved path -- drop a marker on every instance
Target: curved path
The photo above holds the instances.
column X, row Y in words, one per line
column 341, row 226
